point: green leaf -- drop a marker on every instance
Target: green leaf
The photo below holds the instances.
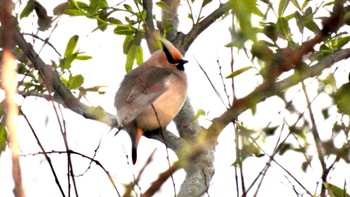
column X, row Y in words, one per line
column 114, row 21
column 96, row 5
column 124, row 30
column 127, row 43
column 283, row 27
column 130, row 57
column 128, row 8
column 270, row 31
column 299, row 20
column 305, row 165
column 336, row 191
column 74, row 3
column 342, row 98
column 205, row 2
column 190, row 16
column 139, row 55
column 75, row 81
column 28, row 9
column 3, row 138
column 341, row 41
column 296, row 4
column 200, row 112
column 243, row 11
column 70, row 9
column 262, row 51
column 270, row 131
column 102, row 20
column 83, row 57
column 162, row 5
column 72, row 43
column 3, row 135
column 309, row 21
column 298, row 131
column 67, row 61
column 282, row 7
column 284, row 148
column 306, row 2
column 238, row 72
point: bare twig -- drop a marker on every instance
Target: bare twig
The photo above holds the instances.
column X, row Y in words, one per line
column 46, row 41
column 44, row 152
column 93, row 157
column 204, row 24
column 223, row 81
column 236, row 139
column 87, row 157
column 130, row 186
column 317, row 140
column 211, row 83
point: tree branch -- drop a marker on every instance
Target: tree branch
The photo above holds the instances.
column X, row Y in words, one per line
column 284, row 61
column 61, row 92
column 8, row 79
column 170, row 20
column 265, row 91
column 197, row 29
column 149, row 26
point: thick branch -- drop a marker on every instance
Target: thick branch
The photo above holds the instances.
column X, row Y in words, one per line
column 170, row 20
column 149, row 26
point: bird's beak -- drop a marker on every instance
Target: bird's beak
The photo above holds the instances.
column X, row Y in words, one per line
column 183, row 61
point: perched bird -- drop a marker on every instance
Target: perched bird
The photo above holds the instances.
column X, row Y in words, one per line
column 151, row 95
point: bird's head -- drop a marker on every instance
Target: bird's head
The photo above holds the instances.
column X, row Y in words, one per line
column 168, row 56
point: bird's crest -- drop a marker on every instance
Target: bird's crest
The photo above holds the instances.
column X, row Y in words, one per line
column 172, row 53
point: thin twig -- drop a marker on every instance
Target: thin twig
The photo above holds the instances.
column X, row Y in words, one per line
column 317, row 140
column 43, row 151
column 204, row 24
column 211, row 83
column 223, row 82
column 63, row 128
column 93, row 157
column 84, row 156
column 130, row 186
column 46, row 41
column 237, row 162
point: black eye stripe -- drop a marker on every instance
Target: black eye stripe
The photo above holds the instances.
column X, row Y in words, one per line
column 168, row 55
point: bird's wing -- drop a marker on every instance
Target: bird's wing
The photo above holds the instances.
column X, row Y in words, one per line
column 139, row 89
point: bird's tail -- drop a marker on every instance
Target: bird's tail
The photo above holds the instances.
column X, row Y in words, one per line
column 134, row 155
column 135, row 138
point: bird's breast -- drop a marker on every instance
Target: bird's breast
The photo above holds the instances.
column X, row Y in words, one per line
column 166, row 106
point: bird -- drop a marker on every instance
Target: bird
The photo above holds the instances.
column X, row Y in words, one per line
column 151, row 95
